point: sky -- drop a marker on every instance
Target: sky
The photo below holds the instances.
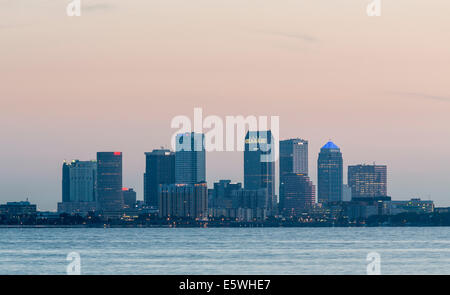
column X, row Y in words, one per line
column 113, row 78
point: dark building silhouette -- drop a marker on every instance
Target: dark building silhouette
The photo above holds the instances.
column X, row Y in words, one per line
column 330, row 173
column 250, row 199
column 293, row 159
column 184, row 200
column 367, row 181
column 109, row 181
column 18, row 209
column 365, row 207
column 190, row 158
column 129, row 197
column 259, row 164
column 159, row 169
column 297, row 193
column 222, row 194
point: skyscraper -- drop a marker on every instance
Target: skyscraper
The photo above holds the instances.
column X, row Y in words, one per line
column 293, row 156
column 330, row 173
column 79, row 181
column 190, row 158
column 259, row 164
column 159, row 169
column 367, row 181
column 293, row 159
column 109, row 181
column 297, row 193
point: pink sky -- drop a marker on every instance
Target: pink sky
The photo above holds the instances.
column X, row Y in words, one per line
column 114, row 78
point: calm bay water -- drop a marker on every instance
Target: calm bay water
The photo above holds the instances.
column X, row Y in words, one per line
column 413, row 250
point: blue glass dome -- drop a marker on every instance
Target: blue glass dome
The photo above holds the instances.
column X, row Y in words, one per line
column 330, row 145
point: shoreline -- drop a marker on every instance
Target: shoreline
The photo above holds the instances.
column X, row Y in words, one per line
column 243, row 226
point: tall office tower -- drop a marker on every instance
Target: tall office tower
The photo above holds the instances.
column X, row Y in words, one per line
column 293, row 159
column 129, row 197
column 298, row 193
column 367, row 181
column 159, row 169
column 293, row 156
column 222, row 194
column 259, row 164
column 79, row 181
column 109, row 181
column 184, row 200
column 190, row 158
column 330, row 173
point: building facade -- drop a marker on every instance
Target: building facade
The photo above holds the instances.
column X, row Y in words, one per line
column 251, row 205
column 367, row 181
column 190, row 158
column 293, row 156
column 184, row 200
column 259, row 164
column 222, row 194
column 159, row 169
column 330, row 173
column 414, row 205
column 79, row 187
column 79, row 180
column 17, row 209
column 297, row 193
column 109, row 181
column 129, row 197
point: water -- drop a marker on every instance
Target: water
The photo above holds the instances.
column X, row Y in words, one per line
column 413, row 250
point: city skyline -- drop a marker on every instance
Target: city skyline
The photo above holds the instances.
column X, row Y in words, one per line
column 159, row 154
column 377, row 86
column 96, row 187
column 161, row 151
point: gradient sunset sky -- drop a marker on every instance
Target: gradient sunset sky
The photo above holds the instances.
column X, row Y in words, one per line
column 113, row 79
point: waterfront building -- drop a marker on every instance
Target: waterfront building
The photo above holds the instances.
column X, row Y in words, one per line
column 79, row 180
column 184, row 200
column 297, row 193
column 17, row 209
column 190, row 158
column 259, row 164
column 129, row 197
column 159, row 169
column 79, row 187
column 367, row 181
column 109, row 181
column 330, row 173
column 414, row 205
column 222, row 194
column 363, row 207
column 293, row 156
